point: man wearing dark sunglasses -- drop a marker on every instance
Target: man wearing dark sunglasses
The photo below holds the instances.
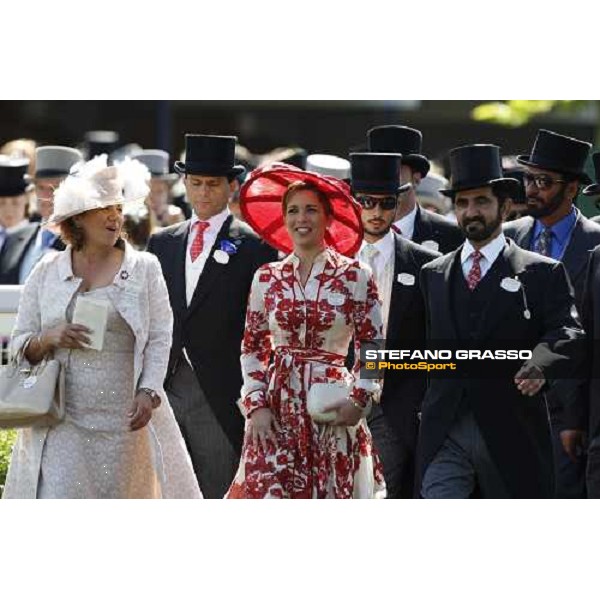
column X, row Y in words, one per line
column 413, row 223
column 553, row 174
column 396, row 263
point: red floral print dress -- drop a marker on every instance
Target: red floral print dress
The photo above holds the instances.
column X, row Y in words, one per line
column 294, row 337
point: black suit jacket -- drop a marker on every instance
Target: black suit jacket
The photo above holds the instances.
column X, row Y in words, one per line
column 430, row 226
column 514, row 426
column 211, row 328
column 402, row 396
column 591, row 323
column 568, row 400
column 16, row 246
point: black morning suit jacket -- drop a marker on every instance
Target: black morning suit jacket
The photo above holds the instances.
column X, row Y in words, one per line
column 515, row 427
column 430, row 226
column 212, row 327
column 568, row 401
column 15, row 248
column 591, row 323
column 401, row 397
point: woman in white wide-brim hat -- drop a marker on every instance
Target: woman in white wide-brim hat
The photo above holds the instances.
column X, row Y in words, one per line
column 118, row 440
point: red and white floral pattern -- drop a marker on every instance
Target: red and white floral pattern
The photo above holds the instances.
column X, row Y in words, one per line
column 294, row 337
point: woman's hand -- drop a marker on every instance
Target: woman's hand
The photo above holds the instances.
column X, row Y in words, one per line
column 262, row 427
column 65, row 335
column 141, row 411
column 348, row 416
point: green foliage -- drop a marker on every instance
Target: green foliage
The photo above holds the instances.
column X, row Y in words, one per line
column 7, row 439
column 514, row 113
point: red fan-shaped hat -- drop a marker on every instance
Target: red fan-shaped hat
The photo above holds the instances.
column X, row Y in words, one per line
column 260, row 202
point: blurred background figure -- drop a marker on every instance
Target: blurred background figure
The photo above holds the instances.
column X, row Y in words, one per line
column 100, row 142
column 21, row 148
column 511, row 168
column 162, row 212
column 428, row 194
column 26, row 246
column 249, row 161
column 330, row 165
column 291, row 155
column 15, row 187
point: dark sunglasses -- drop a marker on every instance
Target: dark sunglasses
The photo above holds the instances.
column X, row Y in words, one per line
column 542, row 182
column 386, row 203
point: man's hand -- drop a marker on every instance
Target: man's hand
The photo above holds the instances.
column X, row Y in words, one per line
column 573, row 441
column 529, row 380
column 348, row 416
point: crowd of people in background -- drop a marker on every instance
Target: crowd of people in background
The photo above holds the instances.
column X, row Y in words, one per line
column 243, row 288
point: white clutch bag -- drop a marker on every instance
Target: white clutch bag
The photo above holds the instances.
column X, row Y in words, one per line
column 324, row 399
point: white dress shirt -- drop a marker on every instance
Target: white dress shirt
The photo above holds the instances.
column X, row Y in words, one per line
column 407, row 224
column 384, row 265
column 490, row 252
column 193, row 270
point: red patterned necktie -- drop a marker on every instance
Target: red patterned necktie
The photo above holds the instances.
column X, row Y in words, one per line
column 198, row 243
column 474, row 276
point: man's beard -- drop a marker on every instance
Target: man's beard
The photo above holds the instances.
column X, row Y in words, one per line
column 379, row 233
column 544, row 210
column 480, row 234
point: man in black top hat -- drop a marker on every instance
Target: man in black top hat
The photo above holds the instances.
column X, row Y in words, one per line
column 25, row 247
column 421, row 226
column 594, row 188
column 15, row 184
column 396, row 263
column 208, row 263
column 492, row 435
column 553, row 173
column 591, row 323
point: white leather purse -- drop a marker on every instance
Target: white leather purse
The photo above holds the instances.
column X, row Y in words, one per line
column 324, row 399
column 31, row 395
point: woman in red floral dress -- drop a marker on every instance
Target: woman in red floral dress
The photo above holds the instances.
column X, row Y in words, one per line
column 302, row 314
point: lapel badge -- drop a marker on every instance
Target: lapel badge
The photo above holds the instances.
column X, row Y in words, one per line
column 221, row 257
column 406, row 278
column 124, row 275
column 510, row 285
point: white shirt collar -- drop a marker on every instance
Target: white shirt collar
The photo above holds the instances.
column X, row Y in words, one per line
column 490, row 251
column 385, row 245
column 215, row 222
column 407, row 223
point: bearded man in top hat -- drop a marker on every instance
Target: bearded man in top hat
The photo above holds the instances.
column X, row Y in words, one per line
column 25, row 247
column 492, row 434
column 208, row 262
column 552, row 175
column 395, row 263
column 412, row 222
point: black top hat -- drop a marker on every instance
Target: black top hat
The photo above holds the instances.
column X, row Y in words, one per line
column 100, row 142
column 478, row 165
column 376, row 173
column 401, row 140
column 594, row 188
column 558, row 153
column 14, row 179
column 212, row 155
column 520, row 197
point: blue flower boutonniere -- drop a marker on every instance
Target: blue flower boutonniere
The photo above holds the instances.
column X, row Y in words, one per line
column 226, row 249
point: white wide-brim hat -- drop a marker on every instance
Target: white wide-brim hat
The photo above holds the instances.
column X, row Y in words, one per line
column 94, row 185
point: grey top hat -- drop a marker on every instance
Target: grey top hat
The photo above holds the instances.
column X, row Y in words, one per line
column 55, row 161
column 157, row 162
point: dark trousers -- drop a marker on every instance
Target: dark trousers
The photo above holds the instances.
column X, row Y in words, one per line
column 463, row 465
column 593, row 468
column 213, row 457
column 397, row 455
column 570, row 476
